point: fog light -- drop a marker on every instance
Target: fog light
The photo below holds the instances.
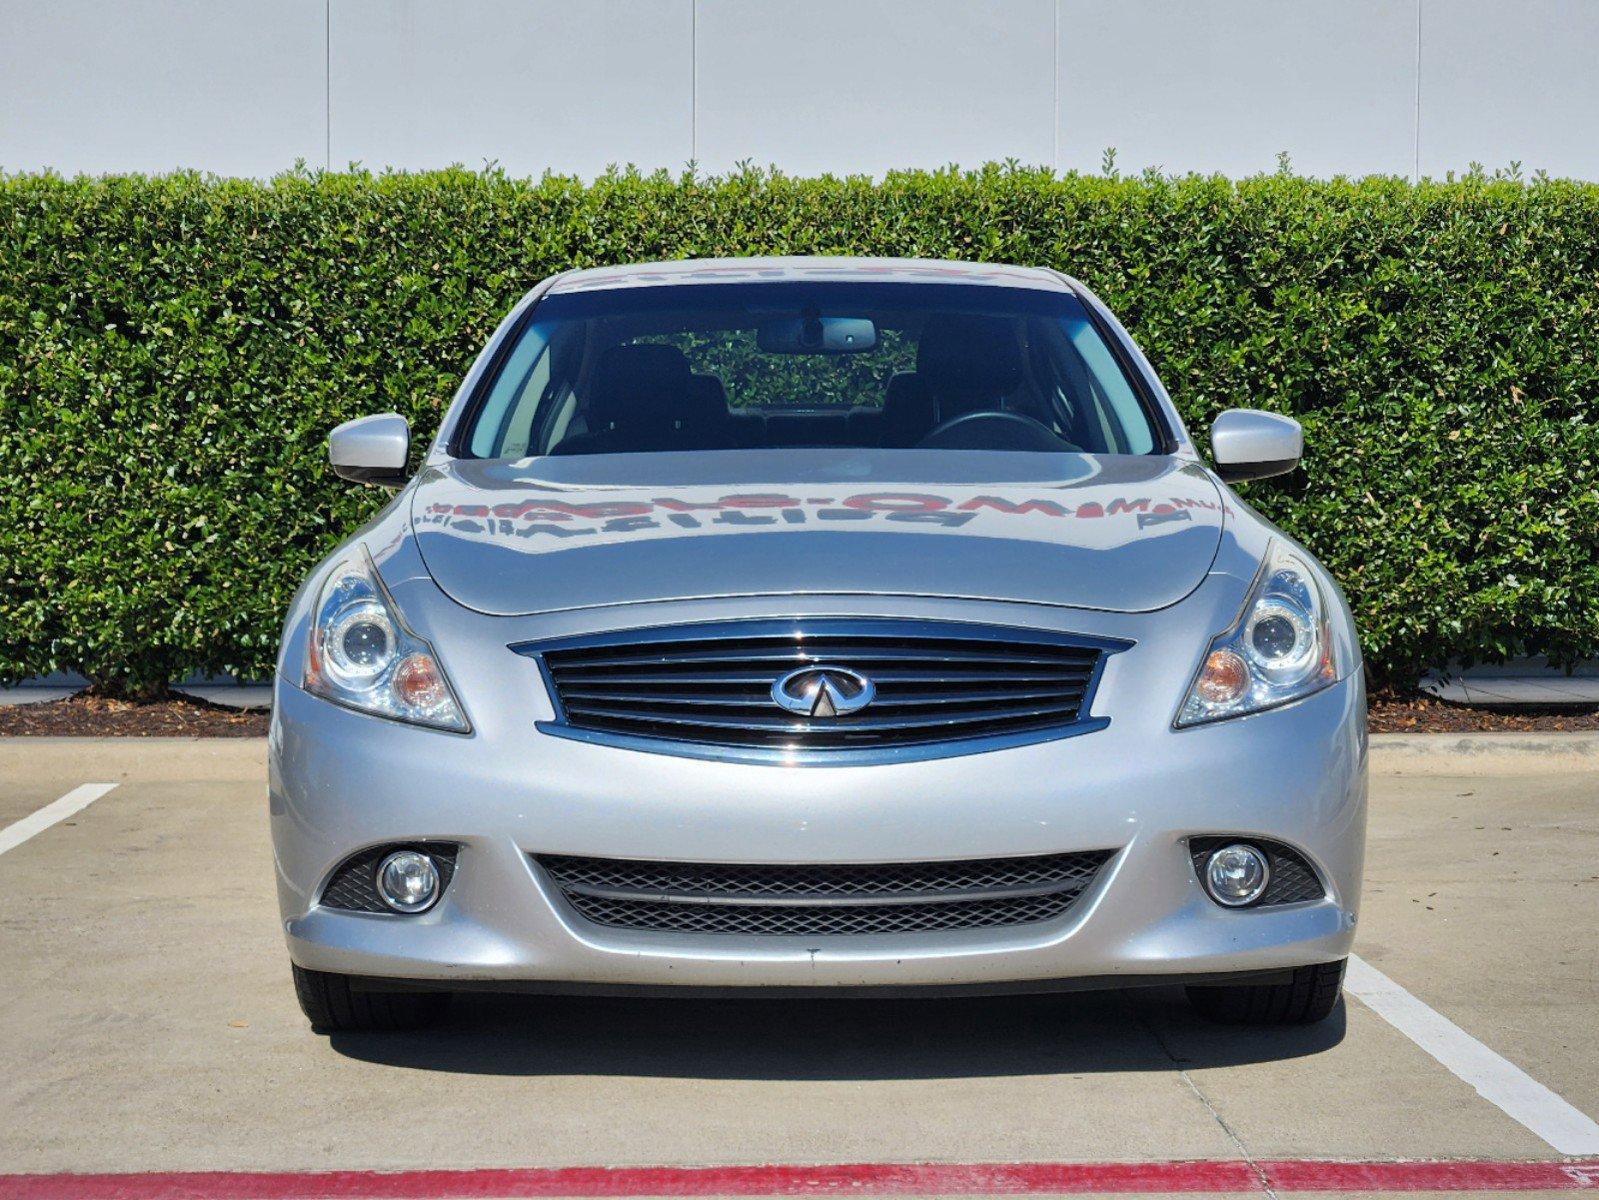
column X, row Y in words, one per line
column 408, row 882
column 1236, row 875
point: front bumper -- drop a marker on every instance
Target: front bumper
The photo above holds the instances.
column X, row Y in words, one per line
column 341, row 782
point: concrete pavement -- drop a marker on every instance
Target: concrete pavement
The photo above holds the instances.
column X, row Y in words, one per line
column 150, row 1025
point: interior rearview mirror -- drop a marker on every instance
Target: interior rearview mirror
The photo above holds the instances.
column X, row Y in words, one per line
column 1250, row 444
column 371, row 449
column 810, row 334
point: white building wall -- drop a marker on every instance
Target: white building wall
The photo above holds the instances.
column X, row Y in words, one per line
column 238, row 87
column 1501, row 83
column 1227, row 85
column 528, row 83
column 853, row 86
column 1342, row 86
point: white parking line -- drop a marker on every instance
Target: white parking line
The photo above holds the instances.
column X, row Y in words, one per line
column 78, row 799
column 1497, row 1080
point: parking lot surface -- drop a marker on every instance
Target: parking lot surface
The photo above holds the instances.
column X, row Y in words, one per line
column 150, row 1027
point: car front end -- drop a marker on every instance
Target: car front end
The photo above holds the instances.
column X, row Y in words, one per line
column 908, row 720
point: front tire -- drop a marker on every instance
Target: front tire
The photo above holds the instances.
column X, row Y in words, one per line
column 333, row 1006
column 1310, row 996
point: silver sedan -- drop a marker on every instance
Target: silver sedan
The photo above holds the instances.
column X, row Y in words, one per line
column 822, row 626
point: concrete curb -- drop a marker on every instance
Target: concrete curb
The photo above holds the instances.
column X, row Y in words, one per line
column 35, row 695
column 1484, row 753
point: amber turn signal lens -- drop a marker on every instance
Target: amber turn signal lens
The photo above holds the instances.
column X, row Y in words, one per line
column 417, row 682
column 1224, row 678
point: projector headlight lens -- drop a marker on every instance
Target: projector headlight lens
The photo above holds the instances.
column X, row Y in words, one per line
column 360, row 644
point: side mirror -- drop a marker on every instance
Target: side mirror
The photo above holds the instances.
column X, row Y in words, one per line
column 371, row 449
column 1249, row 444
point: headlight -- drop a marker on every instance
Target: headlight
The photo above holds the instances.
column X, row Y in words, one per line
column 361, row 653
column 1279, row 650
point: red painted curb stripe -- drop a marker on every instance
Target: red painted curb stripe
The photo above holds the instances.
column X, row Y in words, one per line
column 1301, row 1175
column 853, row 1179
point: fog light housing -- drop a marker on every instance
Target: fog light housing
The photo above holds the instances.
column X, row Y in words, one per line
column 1237, row 875
column 408, row 882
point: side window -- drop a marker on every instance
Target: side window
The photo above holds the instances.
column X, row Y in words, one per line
column 515, row 395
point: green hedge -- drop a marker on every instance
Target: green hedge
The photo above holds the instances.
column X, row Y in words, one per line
column 174, row 350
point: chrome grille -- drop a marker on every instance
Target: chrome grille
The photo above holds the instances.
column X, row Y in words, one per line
column 711, row 685
column 779, row 900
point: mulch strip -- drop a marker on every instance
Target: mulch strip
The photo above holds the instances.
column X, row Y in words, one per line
column 95, row 716
column 1424, row 714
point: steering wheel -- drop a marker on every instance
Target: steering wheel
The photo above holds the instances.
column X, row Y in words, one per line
column 991, row 429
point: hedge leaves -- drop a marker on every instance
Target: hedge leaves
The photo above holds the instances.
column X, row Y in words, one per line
column 174, row 350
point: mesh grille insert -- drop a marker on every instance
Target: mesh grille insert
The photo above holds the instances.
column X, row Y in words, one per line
column 823, row 899
column 711, row 685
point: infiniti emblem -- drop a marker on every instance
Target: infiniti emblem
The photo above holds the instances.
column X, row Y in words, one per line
column 821, row 692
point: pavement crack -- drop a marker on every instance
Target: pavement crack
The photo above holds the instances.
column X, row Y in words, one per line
column 1232, row 1135
column 1199, row 1094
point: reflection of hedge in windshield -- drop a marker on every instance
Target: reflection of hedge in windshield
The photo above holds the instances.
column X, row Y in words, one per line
column 754, row 379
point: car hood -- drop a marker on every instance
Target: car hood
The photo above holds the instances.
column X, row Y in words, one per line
column 1114, row 532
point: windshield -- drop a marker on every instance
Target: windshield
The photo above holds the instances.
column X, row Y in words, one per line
column 806, row 364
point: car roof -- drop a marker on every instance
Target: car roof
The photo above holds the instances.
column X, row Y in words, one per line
column 777, row 270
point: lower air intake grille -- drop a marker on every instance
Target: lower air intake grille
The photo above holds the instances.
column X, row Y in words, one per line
column 825, row 899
